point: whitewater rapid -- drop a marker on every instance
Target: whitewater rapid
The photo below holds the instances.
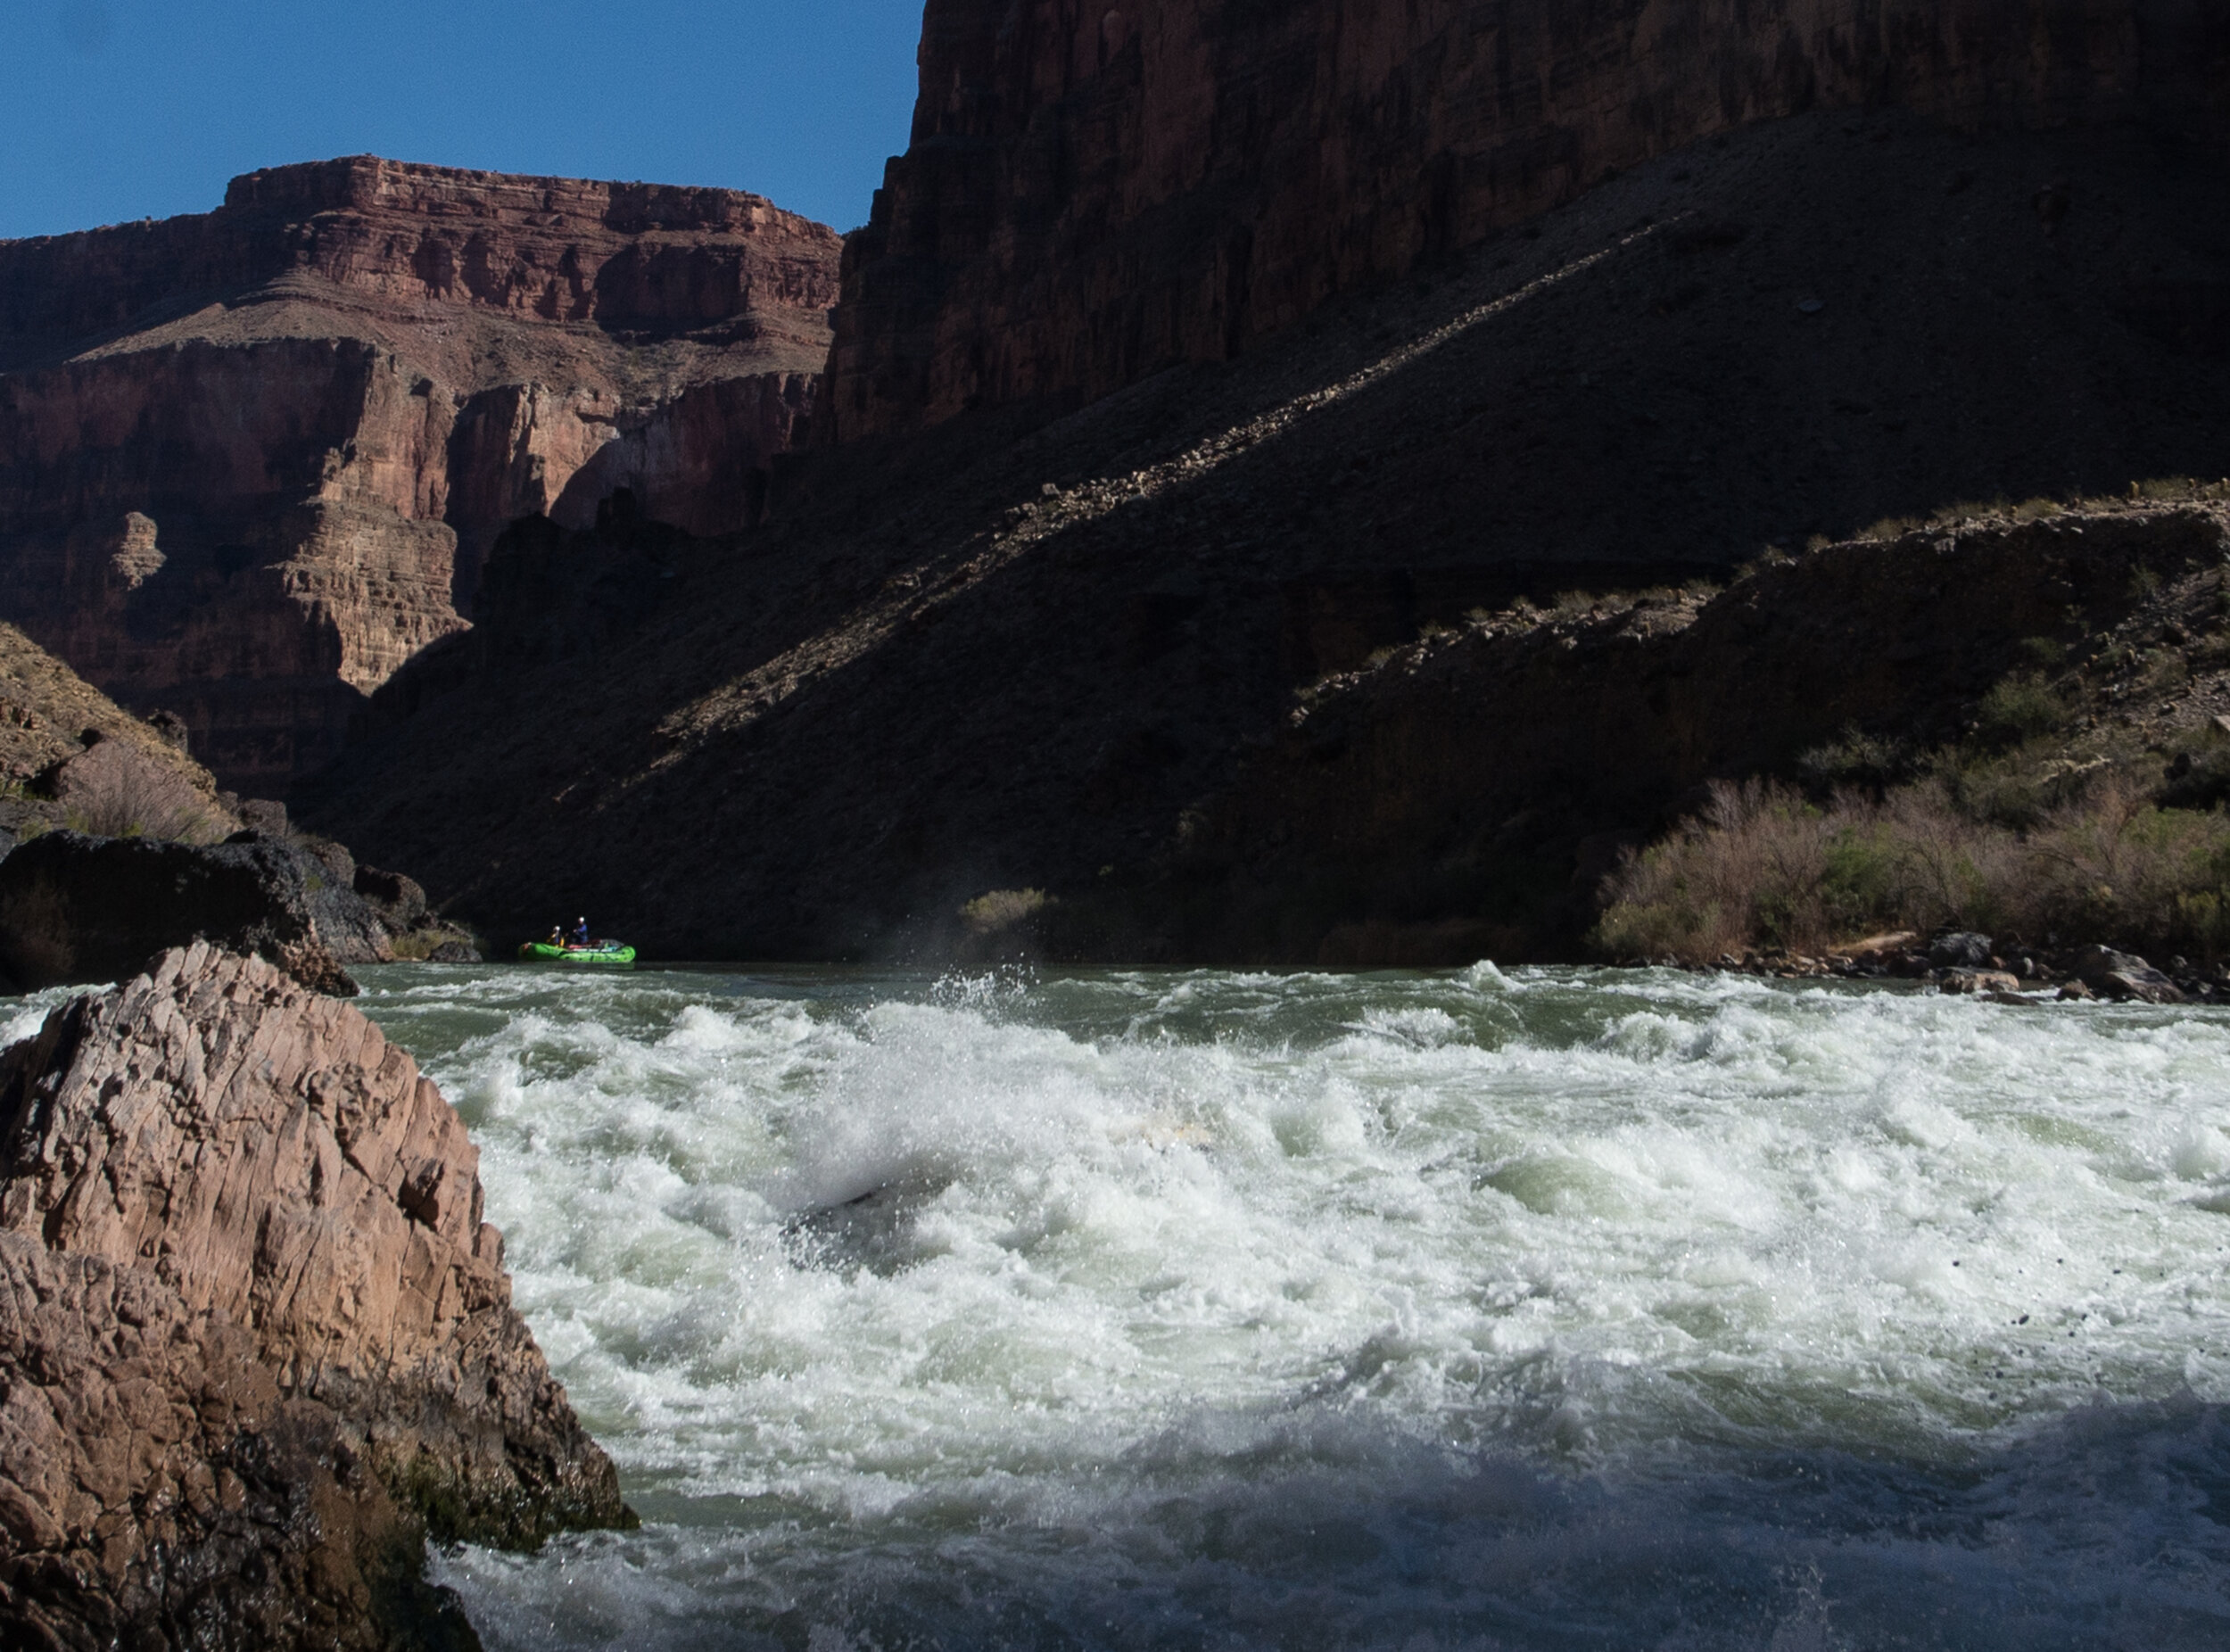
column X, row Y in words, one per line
column 1552, row 1309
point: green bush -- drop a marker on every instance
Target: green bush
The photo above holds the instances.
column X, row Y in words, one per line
column 1001, row 909
column 1760, row 868
column 1857, row 759
column 2021, row 707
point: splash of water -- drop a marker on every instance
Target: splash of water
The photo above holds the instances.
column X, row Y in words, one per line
column 1542, row 1309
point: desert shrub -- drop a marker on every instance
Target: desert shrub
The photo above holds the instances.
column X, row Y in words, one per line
column 2176, row 490
column 2165, row 669
column 1001, row 909
column 2210, row 651
column 1857, row 759
column 131, row 800
column 1760, row 868
column 2202, row 918
column 1953, row 868
column 2021, row 708
column 2116, row 863
column 2013, row 787
column 2048, row 653
column 1889, row 528
column 1750, row 868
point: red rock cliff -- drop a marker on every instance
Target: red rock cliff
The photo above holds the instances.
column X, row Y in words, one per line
column 249, row 461
column 1095, row 190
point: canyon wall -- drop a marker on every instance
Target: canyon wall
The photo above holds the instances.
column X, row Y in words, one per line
column 251, row 462
column 1093, row 192
column 1012, row 654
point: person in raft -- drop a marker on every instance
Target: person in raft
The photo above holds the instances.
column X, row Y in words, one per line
column 556, row 935
column 580, row 933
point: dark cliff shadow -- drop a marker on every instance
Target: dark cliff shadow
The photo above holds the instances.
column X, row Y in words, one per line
column 1013, row 652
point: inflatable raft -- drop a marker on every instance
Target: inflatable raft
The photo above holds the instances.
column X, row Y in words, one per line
column 603, row 952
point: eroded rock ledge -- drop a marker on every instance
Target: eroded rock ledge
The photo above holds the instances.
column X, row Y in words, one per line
column 256, row 1342
column 252, row 459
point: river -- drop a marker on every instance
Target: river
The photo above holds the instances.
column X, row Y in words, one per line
column 1540, row 1309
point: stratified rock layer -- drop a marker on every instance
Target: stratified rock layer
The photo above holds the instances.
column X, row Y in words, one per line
column 1092, row 192
column 254, row 1334
column 250, row 461
column 157, row 1489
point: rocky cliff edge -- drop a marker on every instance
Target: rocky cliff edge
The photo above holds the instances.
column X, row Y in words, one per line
column 256, row 1341
column 250, row 461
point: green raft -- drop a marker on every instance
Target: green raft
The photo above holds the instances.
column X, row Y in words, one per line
column 603, row 952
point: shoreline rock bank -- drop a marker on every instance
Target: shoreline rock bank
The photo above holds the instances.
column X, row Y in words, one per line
column 256, row 1341
column 1966, row 964
column 80, row 909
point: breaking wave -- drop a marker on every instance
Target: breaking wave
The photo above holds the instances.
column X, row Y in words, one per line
column 1545, row 1309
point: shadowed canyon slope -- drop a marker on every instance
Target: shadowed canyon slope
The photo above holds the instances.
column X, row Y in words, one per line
column 927, row 677
column 251, row 462
column 1092, row 192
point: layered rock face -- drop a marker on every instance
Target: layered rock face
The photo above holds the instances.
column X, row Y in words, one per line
column 255, row 1339
column 251, row 462
column 1093, row 192
column 933, row 678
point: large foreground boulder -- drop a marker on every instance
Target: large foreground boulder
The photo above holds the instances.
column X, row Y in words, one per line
column 80, row 909
column 158, row 1488
column 256, row 1343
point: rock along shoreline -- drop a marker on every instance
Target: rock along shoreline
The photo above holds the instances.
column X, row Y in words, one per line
column 256, row 1340
column 1971, row 964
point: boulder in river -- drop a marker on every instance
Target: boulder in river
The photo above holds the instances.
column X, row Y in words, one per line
column 398, row 901
column 80, row 909
column 256, row 1342
column 1964, row 950
column 2120, row 975
column 1984, row 983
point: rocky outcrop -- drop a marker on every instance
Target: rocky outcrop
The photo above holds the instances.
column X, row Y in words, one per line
column 398, row 901
column 81, row 909
column 71, row 756
column 2124, row 977
column 1093, row 193
column 157, row 1487
column 251, row 462
column 256, row 1338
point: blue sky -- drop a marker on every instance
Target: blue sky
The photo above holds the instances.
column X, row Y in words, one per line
column 113, row 109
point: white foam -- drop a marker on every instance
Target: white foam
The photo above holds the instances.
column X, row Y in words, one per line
column 23, row 1017
column 1129, row 1245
